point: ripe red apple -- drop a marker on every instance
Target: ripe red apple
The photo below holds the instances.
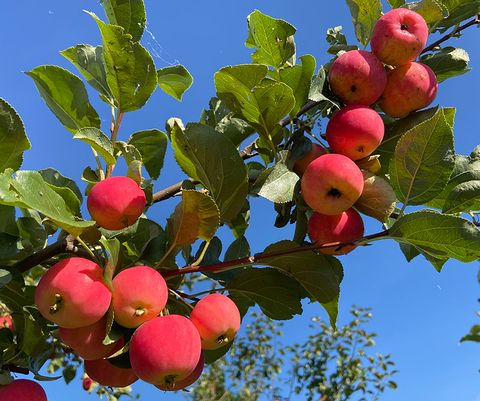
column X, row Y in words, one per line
column 139, row 294
column 22, row 390
column 301, row 164
column 331, row 184
column 217, row 319
column 165, row 350
column 343, row 227
column 357, row 77
column 106, row 374
column 410, row 87
column 355, row 131
column 190, row 379
column 87, row 342
column 87, row 383
column 399, row 36
column 116, row 202
column 6, row 322
column 72, row 293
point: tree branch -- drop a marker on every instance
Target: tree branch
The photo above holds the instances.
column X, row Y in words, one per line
column 250, row 260
column 16, row 369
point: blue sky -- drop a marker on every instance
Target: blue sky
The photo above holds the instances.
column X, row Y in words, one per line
column 419, row 314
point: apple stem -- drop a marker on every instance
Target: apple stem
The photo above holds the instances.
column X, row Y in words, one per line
column 57, row 305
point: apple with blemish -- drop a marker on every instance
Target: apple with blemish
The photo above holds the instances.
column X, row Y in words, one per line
column 190, row 379
column 107, row 374
column 302, row 163
column 344, row 227
column 399, row 36
column 410, row 87
column 217, row 319
column 116, row 202
column 22, row 390
column 72, row 293
column 331, row 184
column 165, row 350
column 139, row 294
column 357, row 77
column 355, row 131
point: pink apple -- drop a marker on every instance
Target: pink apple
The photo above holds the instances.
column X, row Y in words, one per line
column 6, row 322
column 357, row 77
column 72, row 293
column 331, row 184
column 107, row 374
column 116, row 202
column 165, row 350
column 410, row 87
column 190, row 379
column 22, row 390
column 301, row 164
column 139, row 294
column 217, row 319
column 399, row 36
column 355, row 131
column 344, row 227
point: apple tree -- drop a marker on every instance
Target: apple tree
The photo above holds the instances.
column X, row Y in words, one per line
column 387, row 153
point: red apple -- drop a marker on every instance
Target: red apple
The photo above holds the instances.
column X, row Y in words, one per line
column 217, row 319
column 139, row 294
column 357, row 77
column 22, row 390
column 301, row 164
column 87, row 383
column 87, row 342
column 410, row 87
column 116, row 202
column 165, row 350
column 106, row 374
column 399, row 36
column 72, row 293
column 331, row 184
column 6, row 322
column 343, row 227
column 190, row 379
column 355, row 131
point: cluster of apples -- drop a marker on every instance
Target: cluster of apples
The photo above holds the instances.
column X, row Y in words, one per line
column 332, row 182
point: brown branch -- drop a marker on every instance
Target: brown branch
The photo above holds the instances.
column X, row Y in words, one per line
column 16, row 369
column 250, row 260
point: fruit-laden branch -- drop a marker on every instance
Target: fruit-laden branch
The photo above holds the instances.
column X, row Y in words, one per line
column 257, row 258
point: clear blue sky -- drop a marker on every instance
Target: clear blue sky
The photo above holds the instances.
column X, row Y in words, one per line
column 419, row 314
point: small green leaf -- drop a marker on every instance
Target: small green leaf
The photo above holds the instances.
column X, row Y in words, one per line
column 98, row 141
column 129, row 67
column 53, row 177
column 152, row 145
column 431, row 10
column 66, row 96
column 279, row 186
column 272, row 38
column 197, row 216
column 396, row 3
column 5, row 277
column 447, row 63
column 89, row 62
column 338, row 41
column 464, row 197
column 277, row 295
column 365, row 14
column 13, row 139
column 474, row 334
column 240, row 248
column 129, row 14
column 174, row 80
column 423, row 160
column 458, row 11
column 113, row 249
column 441, row 236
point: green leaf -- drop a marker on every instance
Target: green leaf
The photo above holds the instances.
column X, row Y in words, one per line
column 89, row 62
column 11, row 247
column 209, row 157
column 299, row 78
column 137, row 240
column 318, row 274
column 396, row 3
column 277, row 295
column 279, row 186
column 423, row 160
column 152, row 145
column 447, row 63
column 261, row 102
column 130, row 70
column 464, row 197
column 239, row 248
column 365, row 14
column 53, row 177
column 7, row 220
column 272, row 38
column 431, row 10
column 338, row 41
column 441, row 236
column 197, row 216
column 66, row 96
column 174, row 80
column 113, row 249
column 474, row 334
column 458, row 11
column 32, row 232
column 129, row 14
column 13, row 139
column 98, row 141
